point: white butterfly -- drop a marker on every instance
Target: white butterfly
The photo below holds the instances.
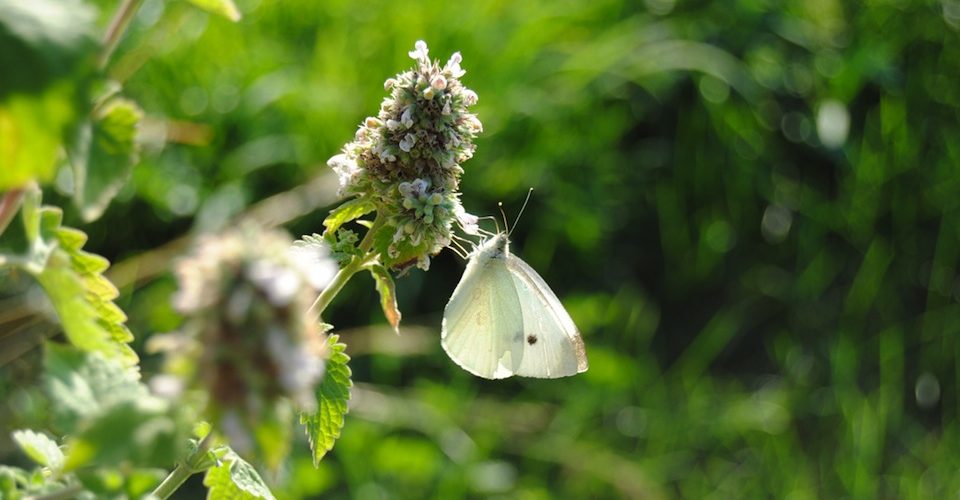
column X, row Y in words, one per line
column 504, row 320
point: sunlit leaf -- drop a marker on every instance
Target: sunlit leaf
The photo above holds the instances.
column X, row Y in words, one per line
column 347, row 212
column 235, row 479
column 81, row 295
column 72, row 278
column 333, row 393
column 31, row 132
column 224, row 8
column 48, row 58
column 40, row 448
column 388, row 295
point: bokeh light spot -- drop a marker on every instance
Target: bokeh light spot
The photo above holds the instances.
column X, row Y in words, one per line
column 833, row 123
column 927, row 391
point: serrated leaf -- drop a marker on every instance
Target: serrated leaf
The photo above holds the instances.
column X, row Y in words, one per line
column 348, row 211
column 80, row 294
column 224, row 8
column 235, row 479
column 71, row 239
column 333, row 393
column 83, row 302
column 40, row 448
column 388, row 295
column 104, row 154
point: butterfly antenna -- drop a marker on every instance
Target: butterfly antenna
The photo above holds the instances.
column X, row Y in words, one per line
column 521, row 209
column 506, row 227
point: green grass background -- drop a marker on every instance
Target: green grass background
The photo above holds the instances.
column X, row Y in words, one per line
column 769, row 298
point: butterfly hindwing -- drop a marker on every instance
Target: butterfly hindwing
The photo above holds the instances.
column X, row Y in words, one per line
column 552, row 345
column 504, row 320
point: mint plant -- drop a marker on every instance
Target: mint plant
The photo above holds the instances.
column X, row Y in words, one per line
column 253, row 356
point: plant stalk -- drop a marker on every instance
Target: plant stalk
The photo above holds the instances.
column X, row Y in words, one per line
column 184, row 469
column 341, row 279
column 347, row 272
column 118, row 25
column 9, row 205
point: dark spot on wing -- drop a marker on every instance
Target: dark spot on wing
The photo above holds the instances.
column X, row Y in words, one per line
column 531, row 339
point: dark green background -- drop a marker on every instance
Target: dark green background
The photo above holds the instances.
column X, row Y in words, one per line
column 769, row 304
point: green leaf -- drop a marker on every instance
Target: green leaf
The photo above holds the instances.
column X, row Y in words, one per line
column 348, row 211
column 72, row 278
column 142, row 481
column 22, row 244
column 84, row 302
column 104, row 482
column 143, row 432
column 109, row 414
column 224, row 8
column 104, row 155
column 117, row 482
column 235, row 479
column 40, row 448
column 333, row 393
column 388, row 295
column 46, row 41
column 49, row 51
column 82, row 385
column 31, row 131
column 11, row 481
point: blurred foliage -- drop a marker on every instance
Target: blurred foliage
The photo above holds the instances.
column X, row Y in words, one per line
column 748, row 207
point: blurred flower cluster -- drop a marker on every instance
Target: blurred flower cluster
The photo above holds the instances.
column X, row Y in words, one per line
column 407, row 160
column 247, row 338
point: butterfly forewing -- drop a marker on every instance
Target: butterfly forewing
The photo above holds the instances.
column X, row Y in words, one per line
column 551, row 344
column 504, row 320
column 483, row 307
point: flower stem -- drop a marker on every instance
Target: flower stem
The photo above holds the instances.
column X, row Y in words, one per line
column 9, row 204
column 347, row 272
column 341, row 279
column 118, row 25
column 184, row 469
column 368, row 238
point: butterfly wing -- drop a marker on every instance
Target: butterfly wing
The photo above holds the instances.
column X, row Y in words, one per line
column 551, row 344
column 483, row 319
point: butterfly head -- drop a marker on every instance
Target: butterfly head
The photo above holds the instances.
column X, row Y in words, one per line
column 496, row 246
